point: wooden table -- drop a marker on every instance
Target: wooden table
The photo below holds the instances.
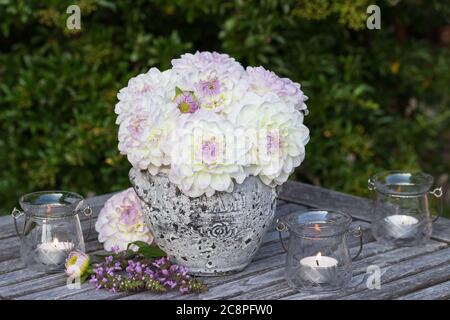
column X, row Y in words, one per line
column 407, row 273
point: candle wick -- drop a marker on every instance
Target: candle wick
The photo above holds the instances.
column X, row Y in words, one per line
column 317, row 261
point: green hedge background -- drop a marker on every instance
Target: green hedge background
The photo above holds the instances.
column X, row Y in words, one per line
column 378, row 99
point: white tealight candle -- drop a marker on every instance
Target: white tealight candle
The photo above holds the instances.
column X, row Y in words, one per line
column 319, row 269
column 400, row 225
column 54, row 252
column 402, row 220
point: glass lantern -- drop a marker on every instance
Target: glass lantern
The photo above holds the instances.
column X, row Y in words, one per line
column 318, row 258
column 401, row 211
column 51, row 228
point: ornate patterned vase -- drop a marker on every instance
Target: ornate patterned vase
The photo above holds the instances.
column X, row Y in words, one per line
column 209, row 235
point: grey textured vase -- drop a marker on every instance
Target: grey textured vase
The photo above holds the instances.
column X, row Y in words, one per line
column 209, row 235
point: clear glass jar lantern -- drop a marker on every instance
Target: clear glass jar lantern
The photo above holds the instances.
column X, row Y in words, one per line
column 51, row 228
column 401, row 211
column 318, row 258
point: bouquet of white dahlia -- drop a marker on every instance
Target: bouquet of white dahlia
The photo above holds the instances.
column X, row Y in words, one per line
column 208, row 123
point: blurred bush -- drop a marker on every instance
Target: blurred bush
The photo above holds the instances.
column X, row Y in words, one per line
column 379, row 99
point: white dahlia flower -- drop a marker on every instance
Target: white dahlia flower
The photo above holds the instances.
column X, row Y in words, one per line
column 264, row 82
column 278, row 140
column 145, row 86
column 216, row 80
column 121, row 221
column 205, row 155
column 143, row 135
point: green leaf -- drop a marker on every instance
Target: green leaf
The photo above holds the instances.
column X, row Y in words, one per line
column 147, row 250
column 178, row 91
column 87, row 274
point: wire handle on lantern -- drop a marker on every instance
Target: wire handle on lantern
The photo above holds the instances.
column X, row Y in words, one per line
column 438, row 193
column 371, row 187
column 280, row 228
column 88, row 213
column 358, row 233
column 16, row 214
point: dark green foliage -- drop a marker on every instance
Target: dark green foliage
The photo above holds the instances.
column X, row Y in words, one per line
column 379, row 99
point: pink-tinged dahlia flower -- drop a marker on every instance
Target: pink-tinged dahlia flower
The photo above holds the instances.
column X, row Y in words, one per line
column 121, row 221
column 281, row 138
column 204, row 159
column 144, row 135
column 264, row 82
column 145, row 86
column 201, row 61
column 214, row 78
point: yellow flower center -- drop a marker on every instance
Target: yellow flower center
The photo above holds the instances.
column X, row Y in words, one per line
column 72, row 260
column 184, row 107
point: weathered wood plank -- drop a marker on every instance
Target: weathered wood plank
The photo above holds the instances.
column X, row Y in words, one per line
column 11, row 252
column 438, row 292
column 5, row 220
column 441, row 230
column 407, row 284
column 281, row 289
column 11, row 265
column 358, row 207
column 393, row 273
column 18, row 276
column 20, row 273
column 7, row 231
column 33, row 279
column 17, row 272
column 317, row 197
column 8, row 243
column 35, row 285
column 275, row 291
column 392, row 279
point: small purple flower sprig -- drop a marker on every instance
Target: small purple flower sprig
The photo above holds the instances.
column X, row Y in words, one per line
column 133, row 272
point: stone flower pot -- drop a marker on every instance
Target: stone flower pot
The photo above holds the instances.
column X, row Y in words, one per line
column 209, row 235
